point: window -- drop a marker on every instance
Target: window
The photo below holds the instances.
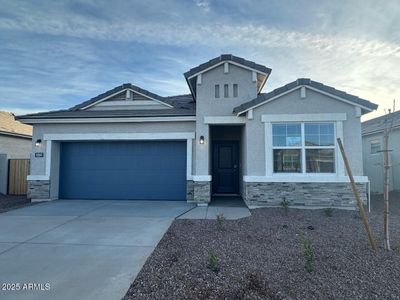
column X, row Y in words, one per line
column 286, row 139
column 375, row 147
column 217, row 91
column 312, row 142
column 226, row 91
column 235, row 90
column 319, row 147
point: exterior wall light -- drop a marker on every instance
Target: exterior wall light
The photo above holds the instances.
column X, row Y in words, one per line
column 38, row 143
column 201, row 140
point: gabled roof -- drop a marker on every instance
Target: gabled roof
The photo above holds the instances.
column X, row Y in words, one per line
column 191, row 79
column 10, row 126
column 365, row 105
column 115, row 91
column 181, row 105
column 379, row 124
column 227, row 57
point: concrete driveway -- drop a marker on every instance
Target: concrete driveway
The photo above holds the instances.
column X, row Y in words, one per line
column 79, row 249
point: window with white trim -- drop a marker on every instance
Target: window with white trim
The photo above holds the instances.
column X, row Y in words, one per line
column 303, row 147
column 375, row 147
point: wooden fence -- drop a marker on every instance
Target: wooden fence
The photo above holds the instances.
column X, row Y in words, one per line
column 18, row 170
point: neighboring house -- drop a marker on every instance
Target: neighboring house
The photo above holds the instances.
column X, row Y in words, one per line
column 15, row 143
column 224, row 138
column 372, row 137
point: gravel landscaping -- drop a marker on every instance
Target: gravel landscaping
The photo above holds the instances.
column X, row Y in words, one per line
column 8, row 202
column 262, row 257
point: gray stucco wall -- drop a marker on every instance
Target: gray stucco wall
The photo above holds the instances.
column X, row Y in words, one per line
column 208, row 105
column 373, row 163
column 314, row 103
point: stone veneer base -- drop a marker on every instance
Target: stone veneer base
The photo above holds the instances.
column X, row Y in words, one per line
column 321, row 194
column 202, row 191
column 38, row 190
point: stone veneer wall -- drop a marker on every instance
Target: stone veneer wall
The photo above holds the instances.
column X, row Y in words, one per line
column 202, row 191
column 38, row 189
column 189, row 191
column 337, row 194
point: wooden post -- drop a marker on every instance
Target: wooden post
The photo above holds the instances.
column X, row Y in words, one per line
column 357, row 196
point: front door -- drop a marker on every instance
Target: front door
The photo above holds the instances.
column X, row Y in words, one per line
column 225, row 174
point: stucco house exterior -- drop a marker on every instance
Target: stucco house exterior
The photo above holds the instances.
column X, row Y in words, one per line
column 372, row 138
column 15, row 143
column 224, row 138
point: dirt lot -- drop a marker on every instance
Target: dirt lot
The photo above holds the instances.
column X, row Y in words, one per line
column 262, row 257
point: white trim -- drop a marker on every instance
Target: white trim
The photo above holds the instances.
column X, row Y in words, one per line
column 119, row 136
column 110, row 120
column 121, row 91
column 201, row 177
column 304, row 178
column 189, row 155
column 38, row 177
column 49, row 138
column 337, row 119
column 339, row 158
column 303, row 117
column 199, row 79
column 224, row 120
column 226, row 68
column 232, row 63
column 48, row 158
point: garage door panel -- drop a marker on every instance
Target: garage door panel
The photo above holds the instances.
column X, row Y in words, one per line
column 123, row 170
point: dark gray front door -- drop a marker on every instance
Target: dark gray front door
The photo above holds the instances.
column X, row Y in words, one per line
column 123, row 170
column 225, row 174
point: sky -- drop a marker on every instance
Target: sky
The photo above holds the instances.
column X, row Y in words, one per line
column 56, row 54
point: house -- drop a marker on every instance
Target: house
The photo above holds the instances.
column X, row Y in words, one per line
column 224, row 138
column 372, row 138
column 15, row 143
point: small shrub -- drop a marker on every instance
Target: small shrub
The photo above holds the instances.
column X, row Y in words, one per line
column 328, row 211
column 221, row 221
column 308, row 254
column 213, row 262
column 285, row 205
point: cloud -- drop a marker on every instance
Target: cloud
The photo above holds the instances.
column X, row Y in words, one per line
column 193, row 34
column 203, row 4
column 66, row 53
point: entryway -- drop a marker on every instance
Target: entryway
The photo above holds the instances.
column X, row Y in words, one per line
column 226, row 166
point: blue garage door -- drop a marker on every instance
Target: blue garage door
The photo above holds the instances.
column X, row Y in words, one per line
column 123, row 170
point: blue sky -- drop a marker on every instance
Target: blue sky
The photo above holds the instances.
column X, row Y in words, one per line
column 55, row 54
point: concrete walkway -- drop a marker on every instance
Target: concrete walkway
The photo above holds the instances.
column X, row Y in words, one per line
column 211, row 212
column 80, row 249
